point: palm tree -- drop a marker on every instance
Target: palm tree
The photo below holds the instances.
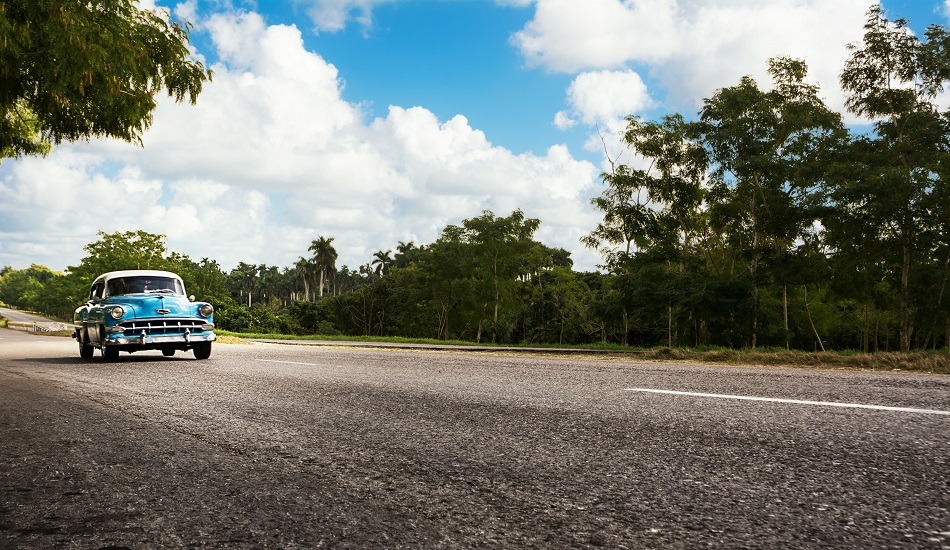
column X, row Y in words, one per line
column 247, row 277
column 382, row 261
column 324, row 259
column 303, row 274
column 406, row 254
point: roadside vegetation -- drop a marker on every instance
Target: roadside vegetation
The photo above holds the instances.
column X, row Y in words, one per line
column 933, row 362
column 761, row 229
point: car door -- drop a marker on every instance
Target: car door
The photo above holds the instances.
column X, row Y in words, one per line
column 94, row 311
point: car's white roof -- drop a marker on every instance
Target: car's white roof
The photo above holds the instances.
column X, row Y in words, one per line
column 140, row 272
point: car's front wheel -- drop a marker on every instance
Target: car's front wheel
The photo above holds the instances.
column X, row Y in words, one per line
column 110, row 354
column 202, row 350
column 85, row 350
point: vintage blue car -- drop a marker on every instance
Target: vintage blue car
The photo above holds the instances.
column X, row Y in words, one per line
column 142, row 310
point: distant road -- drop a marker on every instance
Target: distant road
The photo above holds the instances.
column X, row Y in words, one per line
column 36, row 322
column 21, row 317
column 279, row 446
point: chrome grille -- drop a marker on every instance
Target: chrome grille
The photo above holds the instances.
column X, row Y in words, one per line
column 155, row 327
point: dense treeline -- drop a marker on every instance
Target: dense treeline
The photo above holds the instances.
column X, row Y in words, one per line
column 763, row 221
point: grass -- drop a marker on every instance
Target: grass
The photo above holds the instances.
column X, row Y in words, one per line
column 345, row 338
column 937, row 362
column 229, row 339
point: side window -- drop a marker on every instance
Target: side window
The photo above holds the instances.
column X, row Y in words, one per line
column 96, row 290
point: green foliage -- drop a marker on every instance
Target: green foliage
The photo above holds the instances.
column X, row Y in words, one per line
column 890, row 217
column 123, row 250
column 37, row 288
column 73, row 70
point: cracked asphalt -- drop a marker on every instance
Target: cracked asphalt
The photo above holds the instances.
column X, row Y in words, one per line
column 274, row 446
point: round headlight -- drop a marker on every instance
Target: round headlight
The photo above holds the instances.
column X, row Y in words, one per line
column 206, row 310
column 117, row 312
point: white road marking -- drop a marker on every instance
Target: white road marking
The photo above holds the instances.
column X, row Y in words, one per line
column 287, row 362
column 793, row 401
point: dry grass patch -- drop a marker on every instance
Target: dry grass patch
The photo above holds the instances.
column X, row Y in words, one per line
column 229, row 339
column 937, row 362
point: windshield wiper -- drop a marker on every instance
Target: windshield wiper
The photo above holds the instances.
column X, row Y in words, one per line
column 160, row 291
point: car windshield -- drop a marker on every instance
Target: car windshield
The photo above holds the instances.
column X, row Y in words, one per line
column 140, row 283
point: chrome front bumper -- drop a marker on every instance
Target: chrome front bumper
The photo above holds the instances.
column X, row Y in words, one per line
column 146, row 339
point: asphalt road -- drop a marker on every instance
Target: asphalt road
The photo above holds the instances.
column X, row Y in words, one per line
column 277, row 446
column 18, row 316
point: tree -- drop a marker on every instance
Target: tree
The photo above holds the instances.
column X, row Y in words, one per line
column 627, row 217
column 382, row 262
column 72, row 70
column 498, row 247
column 122, row 250
column 205, row 279
column 407, row 253
column 893, row 201
column 674, row 186
column 246, row 279
column 770, row 151
column 302, row 269
column 324, row 259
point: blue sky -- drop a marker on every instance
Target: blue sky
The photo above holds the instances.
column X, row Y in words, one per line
column 378, row 121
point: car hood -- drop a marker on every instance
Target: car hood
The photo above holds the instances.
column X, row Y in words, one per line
column 155, row 305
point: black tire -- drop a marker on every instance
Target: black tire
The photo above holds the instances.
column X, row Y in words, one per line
column 168, row 352
column 202, row 350
column 86, row 351
column 110, row 354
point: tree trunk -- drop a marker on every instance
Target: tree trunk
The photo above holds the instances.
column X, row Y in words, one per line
column 877, row 331
column 669, row 325
column 320, row 289
column 812, row 323
column 481, row 321
column 865, row 330
column 785, row 314
column 906, row 329
column 754, row 268
column 494, row 328
column 626, row 327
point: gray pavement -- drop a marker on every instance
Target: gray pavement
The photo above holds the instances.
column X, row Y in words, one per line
column 31, row 321
column 18, row 316
column 267, row 446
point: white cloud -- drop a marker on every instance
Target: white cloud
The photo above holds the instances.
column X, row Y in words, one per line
column 333, row 15
column 693, row 47
column 564, row 121
column 271, row 157
column 604, row 96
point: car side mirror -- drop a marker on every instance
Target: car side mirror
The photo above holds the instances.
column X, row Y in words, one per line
column 191, row 298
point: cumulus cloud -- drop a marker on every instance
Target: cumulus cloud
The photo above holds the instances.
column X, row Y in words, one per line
column 604, row 96
column 693, row 47
column 564, row 121
column 271, row 157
